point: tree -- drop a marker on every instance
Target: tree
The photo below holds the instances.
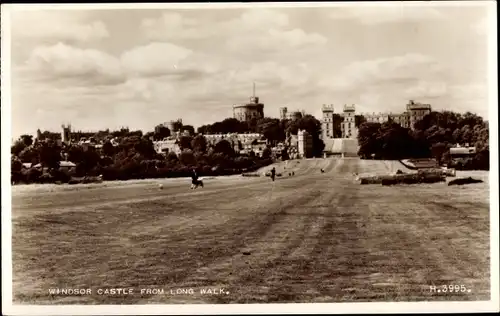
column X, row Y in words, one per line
column 18, row 147
column 27, row 140
column 149, row 135
column 29, row 154
column 438, row 150
column 358, row 120
column 395, row 140
column 318, row 146
column 266, row 153
column 108, row 149
column 15, row 164
column 188, row 128
column 204, row 129
column 310, row 124
column 49, row 155
column 225, row 148
column 367, row 139
column 176, row 126
column 271, row 129
column 172, row 158
column 199, row 144
column 466, row 134
column 187, row 157
column 145, row 148
column 161, row 132
column 185, row 142
column 15, row 167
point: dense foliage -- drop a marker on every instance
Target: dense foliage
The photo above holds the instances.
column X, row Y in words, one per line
column 134, row 156
column 432, row 136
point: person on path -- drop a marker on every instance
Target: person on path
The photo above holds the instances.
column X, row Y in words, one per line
column 194, row 179
column 273, row 173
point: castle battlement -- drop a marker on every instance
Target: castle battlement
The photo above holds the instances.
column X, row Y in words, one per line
column 379, row 114
column 327, row 108
column 349, row 108
column 418, row 106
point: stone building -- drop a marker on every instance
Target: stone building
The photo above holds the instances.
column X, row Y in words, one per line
column 348, row 126
column 416, row 111
column 252, row 110
column 167, row 145
column 305, row 144
column 327, row 121
column 382, row 117
column 172, row 124
column 242, row 143
column 66, row 133
column 294, row 115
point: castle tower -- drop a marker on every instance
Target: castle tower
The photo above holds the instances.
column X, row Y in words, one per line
column 304, row 144
column 416, row 111
column 283, row 112
column 327, row 121
column 254, row 99
column 66, row 133
column 348, row 127
column 252, row 110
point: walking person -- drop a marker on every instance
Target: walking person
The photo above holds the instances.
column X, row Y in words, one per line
column 273, row 173
column 194, row 180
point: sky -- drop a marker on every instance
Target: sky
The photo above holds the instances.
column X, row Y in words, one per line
column 138, row 68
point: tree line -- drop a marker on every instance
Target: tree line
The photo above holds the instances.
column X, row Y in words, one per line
column 134, row 157
column 432, row 136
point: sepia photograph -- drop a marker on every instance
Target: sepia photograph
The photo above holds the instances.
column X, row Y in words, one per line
column 249, row 157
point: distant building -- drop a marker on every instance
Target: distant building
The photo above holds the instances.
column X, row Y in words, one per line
column 327, row 121
column 305, row 144
column 348, row 126
column 166, row 146
column 294, row 115
column 172, row 124
column 416, row 111
column 66, row 133
column 283, row 113
column 382, row 117
column 248, row 111
column 243, row 143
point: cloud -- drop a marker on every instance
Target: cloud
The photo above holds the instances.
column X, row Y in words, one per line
column 380, row 14
column 276, row 40
column 61, row 61
column 173, row 25
column 90, row 67
column 169, row 26
column 254, row 30
column 155, row 59
column 409, row 68
column 261, row 19
column 56, row 26
column 427, row 90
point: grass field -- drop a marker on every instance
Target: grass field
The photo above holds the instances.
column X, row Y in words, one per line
column 313, row 237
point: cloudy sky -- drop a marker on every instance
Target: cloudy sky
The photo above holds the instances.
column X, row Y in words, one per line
column 139, row 68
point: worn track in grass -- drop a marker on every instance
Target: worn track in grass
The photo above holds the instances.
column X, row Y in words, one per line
column 313, row 237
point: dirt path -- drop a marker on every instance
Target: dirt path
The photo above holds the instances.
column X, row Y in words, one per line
column 313, row 237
